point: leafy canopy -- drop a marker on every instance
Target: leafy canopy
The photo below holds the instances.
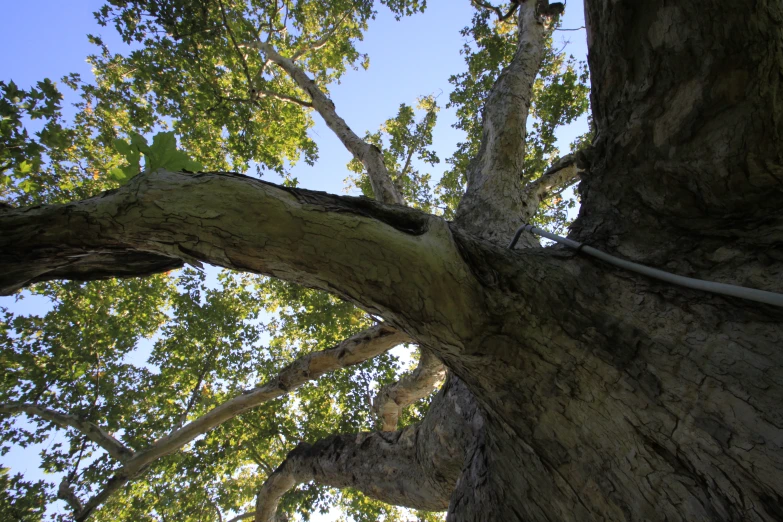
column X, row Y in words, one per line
column 140, row 357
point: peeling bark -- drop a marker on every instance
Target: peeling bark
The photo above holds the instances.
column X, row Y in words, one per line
column 562, row 173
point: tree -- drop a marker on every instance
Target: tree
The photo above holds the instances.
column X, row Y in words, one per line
column 576, row 391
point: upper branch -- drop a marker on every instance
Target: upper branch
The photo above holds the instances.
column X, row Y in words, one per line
column 265, row 93
column 93, row 432
column 369, row 155
column 492, row 204
column 562, row 173
column 320, row 42
column 501, row 17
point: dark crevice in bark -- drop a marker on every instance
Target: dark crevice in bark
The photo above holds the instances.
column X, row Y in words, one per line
column 402, row 218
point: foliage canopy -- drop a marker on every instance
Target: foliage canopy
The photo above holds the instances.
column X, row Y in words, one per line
column 141, row 357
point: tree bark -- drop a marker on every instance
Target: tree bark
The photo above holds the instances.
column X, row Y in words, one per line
column 416, row 467
column 687, row 167
column 602, row 395
column 492, row 205
column 422, row 381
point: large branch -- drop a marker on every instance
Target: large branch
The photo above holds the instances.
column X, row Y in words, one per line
column 92, row 431
column 353, row 247
column 422, row 381
column 562, row 173
column 416, row 467
column 492, row 205
column 356, row 349
column 368, row 154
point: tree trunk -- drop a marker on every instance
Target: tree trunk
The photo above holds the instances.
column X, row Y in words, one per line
column 643, row 401
column 602, row 395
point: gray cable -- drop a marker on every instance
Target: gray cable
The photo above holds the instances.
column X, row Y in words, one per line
column 752, row 294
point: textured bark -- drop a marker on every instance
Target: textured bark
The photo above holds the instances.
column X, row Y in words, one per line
column 601, row 395
column 621, row 399
column 390, row 400
column 416, row 467
column 492, row 204
column 687, row 168
column 350, row 246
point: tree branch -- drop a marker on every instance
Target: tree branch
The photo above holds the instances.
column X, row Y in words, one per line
column 356, row 349
column 282, row 97
column 387, row 466
column 501, row 17
column 230, row 32
column 355, row 248
column 422, row 381
column 66, row 493
column 563, row 172
column 369, row 155
column 319, row 43
column 492, row 204
column 93, row 432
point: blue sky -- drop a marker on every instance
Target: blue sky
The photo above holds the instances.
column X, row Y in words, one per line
column 408, row 59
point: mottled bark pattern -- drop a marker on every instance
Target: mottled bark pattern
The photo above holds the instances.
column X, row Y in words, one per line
column 599, row 394
column 421, row 382
column 687, row 170
column 492, row 205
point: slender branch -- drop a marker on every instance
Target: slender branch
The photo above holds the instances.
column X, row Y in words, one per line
column 319, row 43
column 282, row 97
column 501, row 17
column 370, row 156
column 422, row 381
column 93, row 432
column 245, row 67
column 244, row 516
column 66, row 492
column 354, row 350
column 196, row 393
column 256, row 91
column 563, row 172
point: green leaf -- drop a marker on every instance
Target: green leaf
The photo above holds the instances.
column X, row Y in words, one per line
column 163, row 154
column 25, row 167
column 120, row 175
column 131, row 153
column 139, row 141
